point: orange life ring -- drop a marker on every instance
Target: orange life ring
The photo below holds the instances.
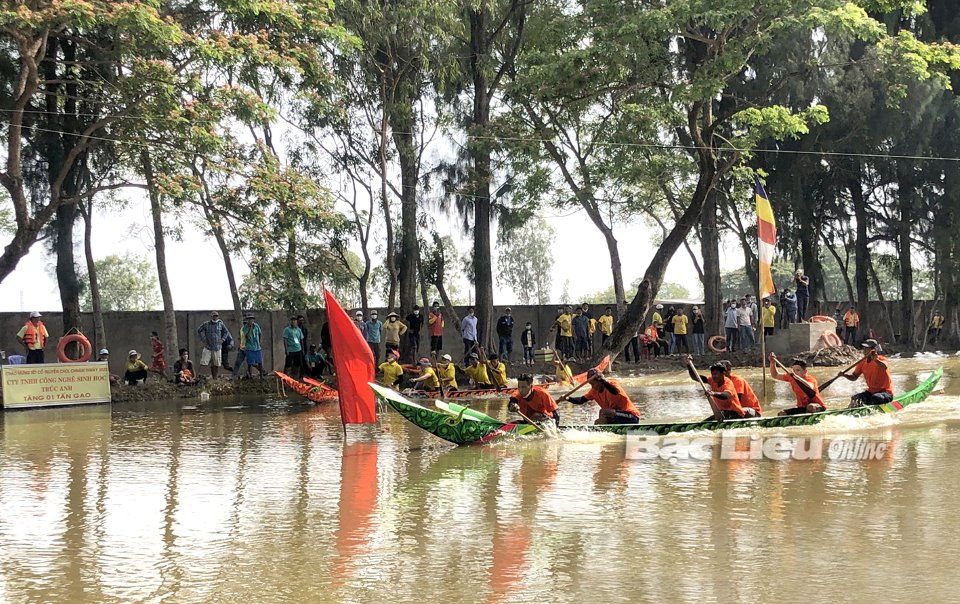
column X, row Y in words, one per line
column 712, row 344
column 823, row 319
column 86, row 350
column 831, row 340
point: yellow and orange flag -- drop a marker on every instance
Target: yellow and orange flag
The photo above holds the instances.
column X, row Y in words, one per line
column 766, row 240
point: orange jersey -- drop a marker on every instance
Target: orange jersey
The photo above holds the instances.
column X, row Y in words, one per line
column 746, row 395
column 616, row 400
column 803, row 399
column 538, row 401
column 730, row 404
column 877, row 377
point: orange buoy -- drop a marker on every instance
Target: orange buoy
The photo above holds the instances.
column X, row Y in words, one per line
column 86, row 350
column 831, row 340
column 717, row 344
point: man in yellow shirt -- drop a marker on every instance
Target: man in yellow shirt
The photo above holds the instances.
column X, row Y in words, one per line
column 768, row 317
column 477, row 372
column 563, row 374
column 657, row 320
column 448, row 372
column 497, row 371
column 564, row 325
column 606, row 324
column 392, row 370
column 428, row 377
column 680, row 321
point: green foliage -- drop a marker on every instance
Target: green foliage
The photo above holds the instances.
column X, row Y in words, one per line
column 127, row 282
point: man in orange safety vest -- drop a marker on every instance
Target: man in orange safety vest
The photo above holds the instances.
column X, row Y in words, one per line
column 33, row 335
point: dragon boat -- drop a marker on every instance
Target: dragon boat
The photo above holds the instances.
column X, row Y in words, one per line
column 464, row 426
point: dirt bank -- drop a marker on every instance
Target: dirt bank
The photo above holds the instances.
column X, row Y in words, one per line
column 220, row 388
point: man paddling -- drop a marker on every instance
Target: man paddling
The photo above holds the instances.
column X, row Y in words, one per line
column 721, row 390
column 428, row 377
column 803, row 384
column 615, row 406
column 748, row 398
column 533, row 402
column 873, row 367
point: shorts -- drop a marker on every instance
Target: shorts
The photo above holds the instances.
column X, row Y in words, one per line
column 622, row 417
column 34, row 357
column 254, row 357
column 870, row 398
column 207, row 355
column 799, row 410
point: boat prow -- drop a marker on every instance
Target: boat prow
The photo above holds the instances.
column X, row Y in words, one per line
column 453, row 423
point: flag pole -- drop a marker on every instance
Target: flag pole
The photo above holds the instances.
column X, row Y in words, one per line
column 763, row 349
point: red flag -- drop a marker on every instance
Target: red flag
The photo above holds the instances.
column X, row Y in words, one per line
column 353, row 360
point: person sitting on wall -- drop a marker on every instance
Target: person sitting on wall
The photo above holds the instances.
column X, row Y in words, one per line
column 104, row 357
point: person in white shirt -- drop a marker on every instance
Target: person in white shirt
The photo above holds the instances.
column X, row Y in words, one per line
column 745, row 323
column 731, row 327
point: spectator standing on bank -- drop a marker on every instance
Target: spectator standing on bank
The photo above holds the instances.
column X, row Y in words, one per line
column 936, row 326
column 680, row 327
column 745, row 323
column 393, row 330
column 414, row 327
column 790, row 307
column 768, row 317
column 851, row 322
column 33, row 335
column 468, row 332
column 213, row 334
column 802, row 283
column 252, row 349
column 581, row 334
column 668, row 330
column 528, row 339
column 505, row 335
column 698, row 331
column 373, row 330
column 606, row 325
column 159, row 363
column 293, row 361
column 731, row 327
column 435, row 327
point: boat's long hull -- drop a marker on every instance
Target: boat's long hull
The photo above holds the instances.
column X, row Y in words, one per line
column 463, row 426
column 317, row 393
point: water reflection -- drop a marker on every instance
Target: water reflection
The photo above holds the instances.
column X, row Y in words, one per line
column 264, row 503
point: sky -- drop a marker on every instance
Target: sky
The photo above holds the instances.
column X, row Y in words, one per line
column 198, row 281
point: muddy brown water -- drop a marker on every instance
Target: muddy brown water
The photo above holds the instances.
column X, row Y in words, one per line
column 267, row 502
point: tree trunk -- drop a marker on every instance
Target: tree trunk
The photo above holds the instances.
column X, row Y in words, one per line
column 632, row 319
column 99, row 333
column 861, row 250
column 809, row 244
column 403, row 128
column 390, row 260
column 906, row 194
column 170, row 337
column 479, row 151
column 884, row 306
column 710, row 250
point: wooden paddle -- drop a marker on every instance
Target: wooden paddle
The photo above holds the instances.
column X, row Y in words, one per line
column 567, row 395
column 838, row 376
column 717, row 414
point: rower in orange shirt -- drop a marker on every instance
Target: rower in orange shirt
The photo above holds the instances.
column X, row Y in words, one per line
column 748, row 398
column 721, row 390
column 615, row 406
column 533, row 403
column 803, row 384
column 873, row 367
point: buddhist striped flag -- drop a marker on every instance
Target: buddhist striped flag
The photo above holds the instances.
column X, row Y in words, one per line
column 766, row 240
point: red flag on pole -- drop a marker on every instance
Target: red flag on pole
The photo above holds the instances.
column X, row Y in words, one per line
column 353, row 360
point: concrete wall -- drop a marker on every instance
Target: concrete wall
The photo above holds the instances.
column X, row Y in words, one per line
column 131, row 330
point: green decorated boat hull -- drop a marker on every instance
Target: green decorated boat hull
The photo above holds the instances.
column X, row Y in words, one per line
column 918, row 394
column 463, row 426
column 455, row 423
